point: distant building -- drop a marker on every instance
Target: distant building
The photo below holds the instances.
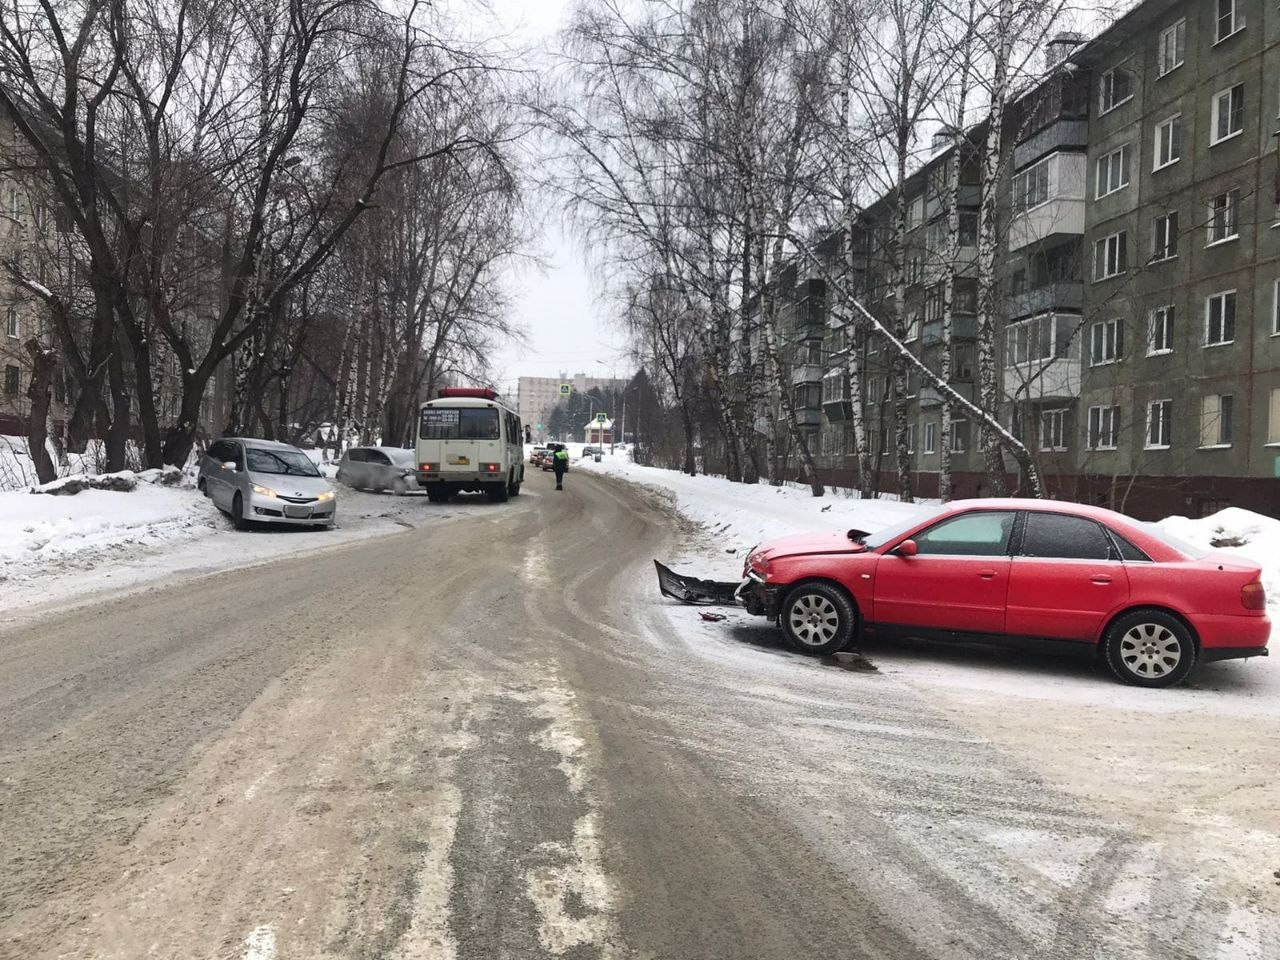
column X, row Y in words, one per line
column 597, row 432
column 536, row 396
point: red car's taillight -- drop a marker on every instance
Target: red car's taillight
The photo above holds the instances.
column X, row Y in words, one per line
column 1253, row 596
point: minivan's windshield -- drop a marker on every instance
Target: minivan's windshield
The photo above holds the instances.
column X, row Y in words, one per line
column 292, row 462
column 459, row 423
column 895, row 530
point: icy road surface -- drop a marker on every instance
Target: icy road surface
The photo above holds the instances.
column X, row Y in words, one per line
column 487, row 737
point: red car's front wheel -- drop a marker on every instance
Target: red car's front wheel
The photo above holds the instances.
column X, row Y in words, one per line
column 818, row 618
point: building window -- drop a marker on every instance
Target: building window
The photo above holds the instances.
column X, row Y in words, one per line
column 915, row 212
column 1172, row 48
column 1275, row 308
column 1111, row 256
column 1106, row 342
column 915, row 270
column 1215, row 420
column 15, row 205
column 1031, row 186
column 1113, row 171
column 1228, row 114
column 1224, row 217
column 1168, row 142
column 1220, row 318
column 931, row 437
column 1160, row 331
column 1036, row 340
column 1159, row 424
column 968, row 228
column 11, row 323
column 1228, row 20
column 1115, row 88
column 912, row 329
column 1164, row 237
column 959, row 435
column 1053, row 430
column 1273, row 422
column 1104, row 427
column 962, row 359
column 911, row 438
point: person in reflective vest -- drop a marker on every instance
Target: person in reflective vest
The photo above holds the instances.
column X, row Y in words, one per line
column 560, row 463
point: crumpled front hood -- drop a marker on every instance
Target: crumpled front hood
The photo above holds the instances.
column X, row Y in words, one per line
column 806, row 543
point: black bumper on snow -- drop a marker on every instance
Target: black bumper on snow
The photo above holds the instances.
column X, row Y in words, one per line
column 1209, row 654
column 759, row 598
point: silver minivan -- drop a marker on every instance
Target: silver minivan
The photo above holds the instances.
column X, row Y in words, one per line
column 379, row 468
column 262, row 481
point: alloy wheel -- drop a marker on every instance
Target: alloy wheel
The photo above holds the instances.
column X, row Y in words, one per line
column 1150, row 650
column 814, row 619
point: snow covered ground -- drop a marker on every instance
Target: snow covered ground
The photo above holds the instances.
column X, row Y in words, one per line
column 736, row 516
column 56, row 548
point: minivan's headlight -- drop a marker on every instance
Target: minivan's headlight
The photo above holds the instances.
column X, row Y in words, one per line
column 327, row 495
column 264, row 491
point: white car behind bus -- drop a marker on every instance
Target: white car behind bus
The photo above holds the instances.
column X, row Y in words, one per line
column 468, row 439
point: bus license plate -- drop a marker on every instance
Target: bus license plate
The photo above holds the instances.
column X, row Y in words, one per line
column 459, row 461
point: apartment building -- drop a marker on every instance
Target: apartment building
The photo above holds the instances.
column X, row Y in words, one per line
column 1139, row 271
column 536, row 396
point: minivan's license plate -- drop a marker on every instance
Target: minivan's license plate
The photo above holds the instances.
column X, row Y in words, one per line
column 459, row 461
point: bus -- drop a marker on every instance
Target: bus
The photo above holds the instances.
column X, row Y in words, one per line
column 468, row 439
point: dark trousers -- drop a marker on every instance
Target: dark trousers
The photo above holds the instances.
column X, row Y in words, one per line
column 559, row 470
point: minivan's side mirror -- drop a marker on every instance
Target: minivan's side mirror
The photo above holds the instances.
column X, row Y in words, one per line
column 907, row 548
column 229, row 465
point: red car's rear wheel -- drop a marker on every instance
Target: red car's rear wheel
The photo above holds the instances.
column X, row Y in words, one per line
column 1150, row 648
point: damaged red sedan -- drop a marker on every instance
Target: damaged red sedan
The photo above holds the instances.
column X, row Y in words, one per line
column 1021, row 572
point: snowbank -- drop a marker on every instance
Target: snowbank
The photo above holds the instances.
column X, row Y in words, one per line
column 42, row 534
column 741, row 515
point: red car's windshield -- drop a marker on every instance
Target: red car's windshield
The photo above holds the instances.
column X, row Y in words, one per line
column 895, row 530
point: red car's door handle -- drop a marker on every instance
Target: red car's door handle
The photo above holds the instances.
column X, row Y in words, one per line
column 987, row 574
column 1100, row 578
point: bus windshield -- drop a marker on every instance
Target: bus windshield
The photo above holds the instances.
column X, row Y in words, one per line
column 459, row 423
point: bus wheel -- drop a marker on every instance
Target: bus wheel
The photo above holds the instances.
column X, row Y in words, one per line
column 513, row 488
column 498, row 492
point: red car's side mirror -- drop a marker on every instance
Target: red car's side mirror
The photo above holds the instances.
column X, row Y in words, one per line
column 907, row 548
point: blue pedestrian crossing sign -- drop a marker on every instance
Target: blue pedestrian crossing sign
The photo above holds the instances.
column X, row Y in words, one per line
column 602, row 417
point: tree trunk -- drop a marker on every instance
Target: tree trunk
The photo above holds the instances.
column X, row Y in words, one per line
column 40, row 391
column 117, row 439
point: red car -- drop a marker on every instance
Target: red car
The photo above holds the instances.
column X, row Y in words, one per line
column 1018, row 571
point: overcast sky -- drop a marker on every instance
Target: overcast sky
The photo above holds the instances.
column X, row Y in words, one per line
column 567, row 328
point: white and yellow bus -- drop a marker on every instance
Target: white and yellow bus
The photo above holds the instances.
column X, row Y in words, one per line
column 468, row 439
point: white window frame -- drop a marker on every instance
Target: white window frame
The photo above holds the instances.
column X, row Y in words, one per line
column 957, row 443
column 911, row 438
column 931, row 437
column 1033, row 172
column 1164, row 419
column 1208, row 310
column 1231, row 216
column 1162, row 234
column 912, row 332
column 1103, row 108
column 1237, row 22
column 1171, row 31
column 1273, row 417
column 1121, row 152
column 11, row 323
column 1215, row 114
column 1219, row 443
column 1275, row 308
column 1113, row 430
column 1108, row 258
column 1162, row 318
column 1058, row 433
column 1112, row 341
column 1160, row 141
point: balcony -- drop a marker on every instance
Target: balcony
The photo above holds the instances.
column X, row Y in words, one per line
column 1062, row 135
column 1057, row 379
column 1062, row 295
column 1062, row 216
column 929, row 397
column 806, row 373
column 969, row 195
column 964, row 326
column 966, row 265
column 809, row 417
